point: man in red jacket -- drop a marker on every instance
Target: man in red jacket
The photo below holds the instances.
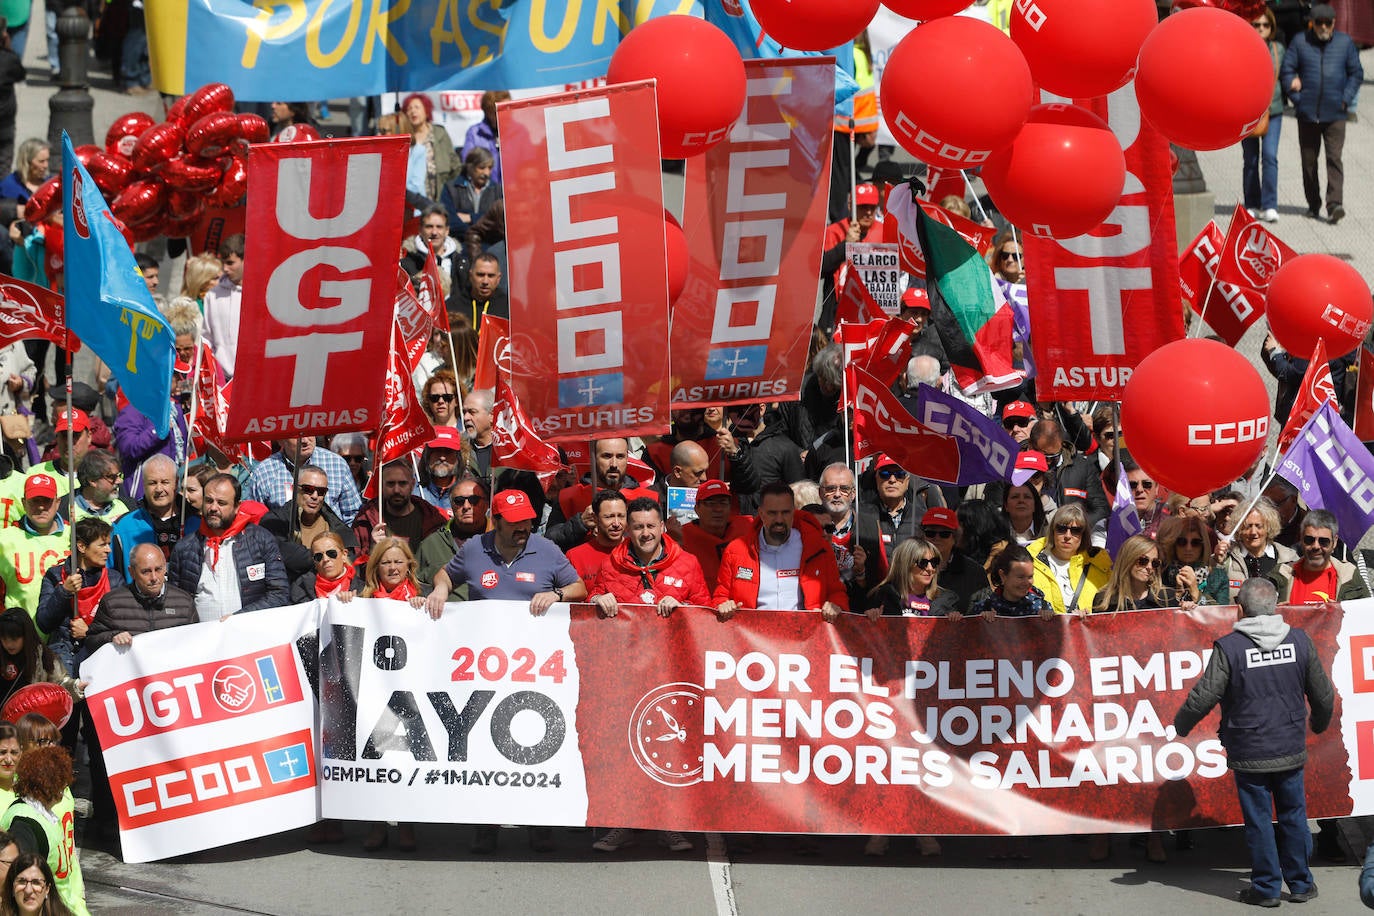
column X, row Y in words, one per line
column 786, row 564
column 648, row 568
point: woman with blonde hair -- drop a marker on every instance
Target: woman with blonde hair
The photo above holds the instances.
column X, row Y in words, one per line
column 1185, row 547
column 391, row 573
column 910, row 588
column 1136, row 584
column 1068, row 570
column 202, row 272
column 1254, row 552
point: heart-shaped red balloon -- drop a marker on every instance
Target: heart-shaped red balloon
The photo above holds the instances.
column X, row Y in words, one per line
column 297, row 133
column 185, row 204
column 125, row 131
column 213, row 134
column 254, row 129
column 110, row 173
column 45, row 201
column 140, row 201
column 85, row 152
column 208, row 99
column 158, row 144
column 191, row 173
column 233, row 184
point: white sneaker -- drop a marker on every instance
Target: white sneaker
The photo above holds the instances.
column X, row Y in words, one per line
column 675, row 841
column 617, row 838
column 1270, row 216
column 1253, row 212
column 876, row 846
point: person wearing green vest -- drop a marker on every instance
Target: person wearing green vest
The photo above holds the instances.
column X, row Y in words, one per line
column 29, row 549
column 41, row 824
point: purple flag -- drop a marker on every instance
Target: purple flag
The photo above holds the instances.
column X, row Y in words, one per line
column 986, row 451
column 1124, row 520
column 1333, row 471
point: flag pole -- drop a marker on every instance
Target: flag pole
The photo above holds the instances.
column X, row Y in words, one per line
column 968, row 186
column 71, row 481
column 853, row 176
column 295, row 484
column 190, row 427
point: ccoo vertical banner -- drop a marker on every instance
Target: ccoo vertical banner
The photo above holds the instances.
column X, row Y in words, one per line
column 319, row 286
column 754, row 214
column 1105, row 300
column 587, row 259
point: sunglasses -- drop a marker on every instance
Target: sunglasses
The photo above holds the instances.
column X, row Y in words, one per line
column 309, row 489
column 1107, row 435
column 1015, row 422
column 1075, row 530
column 354, row 458
column 934, row 534
column 1310, row 539
column 1324, row 23
column 1146, row 485
column 331, row 553
column 892, row 474
column 1145, row 562
column 928, row 563
column 1188, row 542
column 836, row 488
column 442, row 398
column 1009, row 255
column 473, row 500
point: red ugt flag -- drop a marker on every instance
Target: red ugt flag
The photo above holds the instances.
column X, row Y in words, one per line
column 1364, row 397
column 29, row 311
column 1317, row 387
column 514, row 441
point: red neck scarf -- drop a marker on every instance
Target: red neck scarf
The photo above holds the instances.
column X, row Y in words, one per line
column 402, row 592
column 326, row 587
column 88, row 597
column 213, row 541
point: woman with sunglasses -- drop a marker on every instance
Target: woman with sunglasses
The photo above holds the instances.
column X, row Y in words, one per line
column 1136, row 584
column 1067, row 568
column 1007, row 259
column 333, row 572
column 910, row 589
column 440, row 399
column 1185, row 545
column 1260, row 155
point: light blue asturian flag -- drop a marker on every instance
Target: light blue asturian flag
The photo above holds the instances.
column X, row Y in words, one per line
column 1333, row 471
column 108, row 305
column 1124, row 520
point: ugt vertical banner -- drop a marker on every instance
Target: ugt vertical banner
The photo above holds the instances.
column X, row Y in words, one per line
column 754, row 215
column 1103, row 301
column 587, row 254
column 319, row 286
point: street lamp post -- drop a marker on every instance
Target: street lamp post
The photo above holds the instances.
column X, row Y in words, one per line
column 70, row 107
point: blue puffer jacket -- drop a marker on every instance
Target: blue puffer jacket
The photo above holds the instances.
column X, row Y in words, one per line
column 1330, row 73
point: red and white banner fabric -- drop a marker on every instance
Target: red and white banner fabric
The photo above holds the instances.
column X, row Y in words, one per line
column 883, row 426
column 1104, row 301
column 515, row 444
column 754, row 216
column 776, row 722
column 405, row 426
column 588, row 261
column 1226, row 278
column 207, row 731
column 319, row 286
column 493, row 353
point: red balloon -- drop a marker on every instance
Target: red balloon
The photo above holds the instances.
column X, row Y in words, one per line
column 1318, row 295
column 1204, row 79
column 185, row 204
column 140, row 202
column 110, row 173
column 208, row 99
column 50, row 701
column 297, row 133
column 45, row 201
column 213, row 134
column 1081, row 49
column 148, row 230
column 679, row 260
column 1222, row 431
column 125, row 131
column 157, row 146
column 1061, row 176
column 955, row 90
column 233, row 184
column 181, row 228
column 924, row 10
column 700, row 80
column 813, row 25
column 254, row 129
column 190, row 173
column 177, row 110
column 85, row 152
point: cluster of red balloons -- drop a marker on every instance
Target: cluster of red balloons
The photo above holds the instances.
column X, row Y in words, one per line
column 160, row 178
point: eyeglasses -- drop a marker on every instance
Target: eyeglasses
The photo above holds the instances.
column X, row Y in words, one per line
column 36, row 883
column 309, row 489
column 332, row 553
column 112, row 478
column 1150, row 562
column 892, row 474
column 1009, row 255
column 1309, row 539
column 1015, row 422
column 1075, row 530
column 1107, row 435
column 933, row 534
column 928, row 563
column 44, row 742
column 1323, row 23
column 355, row 458
column 1188, row 542
column 1146, row 485
column 473, row 500
column 442, row 398
column 836, row 488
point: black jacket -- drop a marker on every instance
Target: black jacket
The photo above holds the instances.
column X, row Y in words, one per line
column 253, row 546
column 127, row 610
column 1078, row 480
column 296, row 557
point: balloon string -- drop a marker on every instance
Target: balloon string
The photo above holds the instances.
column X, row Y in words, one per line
column 968, row 186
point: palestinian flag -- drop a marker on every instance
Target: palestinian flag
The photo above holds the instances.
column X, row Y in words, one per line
column 968, row 310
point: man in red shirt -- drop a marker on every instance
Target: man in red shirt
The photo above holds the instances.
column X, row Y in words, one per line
column 647, row 567
column 1318, row 576
column 716, row 525
column 608, row 530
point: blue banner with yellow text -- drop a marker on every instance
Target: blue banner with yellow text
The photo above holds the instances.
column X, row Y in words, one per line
column 307, row 50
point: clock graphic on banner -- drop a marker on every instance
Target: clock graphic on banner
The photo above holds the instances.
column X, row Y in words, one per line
column 665, row 734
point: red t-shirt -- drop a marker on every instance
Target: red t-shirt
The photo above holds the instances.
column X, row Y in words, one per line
column 1313, row 588
column 588, row 558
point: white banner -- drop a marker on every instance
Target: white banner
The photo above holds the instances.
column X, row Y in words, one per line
column 208, row 731
column 880, row 267
column 499, row 745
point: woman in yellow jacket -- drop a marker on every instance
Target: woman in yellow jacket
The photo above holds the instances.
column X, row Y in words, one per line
column 1067, row 569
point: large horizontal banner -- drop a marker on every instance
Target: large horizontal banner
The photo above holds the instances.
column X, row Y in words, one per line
column 208, row 731
column 775, row 722
column 367, row 47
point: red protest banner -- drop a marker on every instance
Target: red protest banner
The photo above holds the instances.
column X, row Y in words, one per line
column 1364, row 397
column 515, row 444
column 1316, row 389
column 405, row 426
column 1102, row 302
column 883, row 426
column 414, row 322
column 319, row 286
column 493, row 352
column 754, row 215
column 588, row 258
column 28, row 311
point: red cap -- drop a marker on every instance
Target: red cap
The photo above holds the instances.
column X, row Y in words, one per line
column 940, row 517
column 79, row 421
column 866, row 195
column 512, row 505
column 916, row 298
column 712, row 488
column 1019, row 409
column 885, row 461
column 40, row 485
column 446, row 437
column 1028, row 464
